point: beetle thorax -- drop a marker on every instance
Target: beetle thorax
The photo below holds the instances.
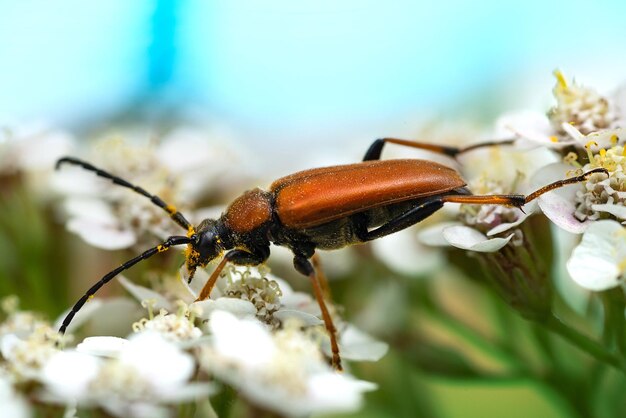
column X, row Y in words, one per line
column 249, row 212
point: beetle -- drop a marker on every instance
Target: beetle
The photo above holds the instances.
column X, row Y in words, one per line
column 322, row 208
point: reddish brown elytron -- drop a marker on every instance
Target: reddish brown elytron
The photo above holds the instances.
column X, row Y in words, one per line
column 323, row 208
column 313, row 197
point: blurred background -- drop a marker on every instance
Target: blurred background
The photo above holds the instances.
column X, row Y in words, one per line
column 301, row 83
column 281, row 74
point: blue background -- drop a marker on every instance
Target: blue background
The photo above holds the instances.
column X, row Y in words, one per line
column 283, row 73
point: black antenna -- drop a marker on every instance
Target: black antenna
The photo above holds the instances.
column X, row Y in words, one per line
column 171, row 241
column 170, row 209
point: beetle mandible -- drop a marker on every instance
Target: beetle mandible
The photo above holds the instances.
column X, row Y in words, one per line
column 322, row 208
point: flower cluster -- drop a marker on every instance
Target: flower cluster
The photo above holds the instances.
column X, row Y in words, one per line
column 109, row 217
column 256, row 334
column 266, row 341
column 583, row 131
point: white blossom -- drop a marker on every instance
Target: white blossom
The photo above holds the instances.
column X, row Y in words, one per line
column 172, row 326
column 481, row 228
column 32, row 150
column 574, row 207
column 13, row 403
column 19, row 323
column 579, row 115
column 532, row 129
column 248, row 292
column 26, row 356
column 135, row 379
column 283, row 371
column 582, row 108
column 404, row 253
column 599, row 261
column 181, row 169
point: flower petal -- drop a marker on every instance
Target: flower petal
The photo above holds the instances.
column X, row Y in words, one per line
column 433, row 235
column 356, row 345
column 158, row 360
column 67, row 374
column 595, row 262
column 618, row 211
column 333, row 392
column 558, row 205
column 404, row 253
column 306, row 319
column 106, row 236
column 533, row 127
column 503, row 227
column 142, row 293
column 468, row 238
column 88, row 311
column 246, row 341
column 238, row 307
column 102, row 346
column 13, row 405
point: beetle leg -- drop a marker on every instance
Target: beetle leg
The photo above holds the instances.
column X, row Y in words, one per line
column 304, row 266
column 433, row 204
column 516, row 200
column 317, row 265
column 375, row 150
column 408, row 218
column 519, row 200
column 210, row 284
column 239, row 257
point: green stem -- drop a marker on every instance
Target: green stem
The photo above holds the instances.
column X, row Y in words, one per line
column 583, row 342
column 478, row 340
column 544, row 346
column 614, row 319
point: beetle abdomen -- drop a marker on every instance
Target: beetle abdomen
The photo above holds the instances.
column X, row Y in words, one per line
column 317, row 196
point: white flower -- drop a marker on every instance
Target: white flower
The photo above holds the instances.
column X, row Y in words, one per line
column 482, row 228
column 25, row 357
column 33, row 148
column 356, row 345
column 32, row 151
column 579, row 115
column 173, row 327
column 282, row 371
column 182, row 169
column 574, row 207
column 559, row 205
column 489, row 171
column 110, row 216
column 581, row 108
column 405, row 254
column 136, row 379
column 13, row 404
column 19, row 323
column 531, row 128
column 604, row 195
column 599, row 261
column 102, row 346
column 467, row 238
column 248, row 292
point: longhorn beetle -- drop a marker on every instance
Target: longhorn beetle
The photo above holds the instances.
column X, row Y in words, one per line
column 322, row 208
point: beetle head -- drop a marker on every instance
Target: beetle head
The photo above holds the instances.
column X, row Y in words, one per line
column 205, row 246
